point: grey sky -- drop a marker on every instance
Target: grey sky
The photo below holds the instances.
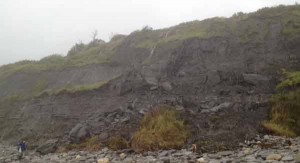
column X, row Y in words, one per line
column 32, row 29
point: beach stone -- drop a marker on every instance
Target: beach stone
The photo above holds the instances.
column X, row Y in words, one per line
column 297, row 158
column 103, row 160
column 273, row 156
column 287, row 158
column 225, row 153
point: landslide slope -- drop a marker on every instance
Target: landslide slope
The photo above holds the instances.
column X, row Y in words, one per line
column 219, row 73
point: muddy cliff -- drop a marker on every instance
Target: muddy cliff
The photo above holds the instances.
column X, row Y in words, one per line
column 219, row 81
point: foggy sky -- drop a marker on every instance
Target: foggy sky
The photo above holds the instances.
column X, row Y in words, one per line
column 32, row 29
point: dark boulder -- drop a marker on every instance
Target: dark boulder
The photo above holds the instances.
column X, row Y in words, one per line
column 79, row 133
column 255, row 79
column 49, row 146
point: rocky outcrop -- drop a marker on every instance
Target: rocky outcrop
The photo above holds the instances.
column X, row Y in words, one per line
column 49, row 146
column 79, row 133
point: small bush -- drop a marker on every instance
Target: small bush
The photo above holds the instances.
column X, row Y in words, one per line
column 117, row 143
column 292, row 80
column 278, row 129
column 160, row 129
column 90, row 144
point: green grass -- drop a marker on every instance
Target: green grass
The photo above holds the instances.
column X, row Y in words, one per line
column 13, row 99
column 285, row 112
column 39, row 87
column 147, row 44
column 82, row 88
column 160, row 129
column 292, row 79
column 245, row 27
column 71, row 89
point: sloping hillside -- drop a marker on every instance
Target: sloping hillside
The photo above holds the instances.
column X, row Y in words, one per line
column 218, row 73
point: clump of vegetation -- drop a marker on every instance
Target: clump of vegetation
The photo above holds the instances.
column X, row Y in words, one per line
column 90, row 144
column 209, row 145
column 285, row 112
column 292, row 79
column 71, row 89
column 117, row 143
column 279, row 129
column 39, row 86
column 80, row 88
column 160, row 129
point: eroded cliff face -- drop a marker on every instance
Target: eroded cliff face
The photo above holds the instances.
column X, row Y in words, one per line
column 219, row 84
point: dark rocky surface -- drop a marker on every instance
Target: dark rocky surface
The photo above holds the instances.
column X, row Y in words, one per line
column 261, row 149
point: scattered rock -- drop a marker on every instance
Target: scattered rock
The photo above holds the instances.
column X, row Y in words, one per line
column 123, row 156
column 287, row 158
column 224, row 105
column 201, row 160
column 179, row 108
column 163, row 153
column 103, row 160
column 103, row 136
column 153, row 88
column 77, row 157
column 166, row 85
column 266, row 137
column 181, row 73
column 151, row 80
column 254, row 153
column 255, row 79
column 247, row 151
column 225, row 153
column 273, row 156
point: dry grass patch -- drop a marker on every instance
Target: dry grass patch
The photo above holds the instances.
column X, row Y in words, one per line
column 285, row 112
column 117, row 143
column 160, row 129
column 278, row 129
column 90, row 144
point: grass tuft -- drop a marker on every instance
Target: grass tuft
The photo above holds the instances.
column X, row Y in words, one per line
column 160, row 129
column 117, row 143
column 90, row 144
column 278, row 129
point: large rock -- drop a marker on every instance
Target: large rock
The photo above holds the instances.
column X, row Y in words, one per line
column 79, row 133
column 166, row 85
column 49, row 146
column 151, row 80
column 275, row 157
column 103, row 160
column 222, row 106
column 255, row 79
